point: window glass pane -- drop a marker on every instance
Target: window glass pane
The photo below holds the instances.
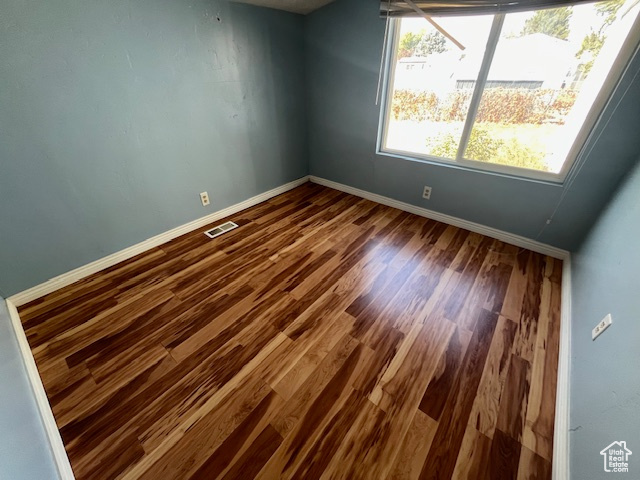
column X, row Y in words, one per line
column 430, row 91
column 548, row 68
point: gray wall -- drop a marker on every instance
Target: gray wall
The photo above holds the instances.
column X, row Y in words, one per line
column 116, row 114
column 605, row 387
column 344, row 41
column 24, row 449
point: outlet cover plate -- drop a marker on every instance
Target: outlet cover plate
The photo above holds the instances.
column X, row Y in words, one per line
column 601, row 327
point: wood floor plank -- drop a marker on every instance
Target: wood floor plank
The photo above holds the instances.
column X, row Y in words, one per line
column 327, row 337
column 169, row 412
column 366, row 318
column 538, row 429
column 228, row 323
column 293, row 379
column 439, row 387
column 486, row 406
column 513, row 405
column 177, row 459
column 533, row 466
column 512, row 307
column 442, row 457
column 416, row 322
column 466, row 252
column 258, row 453
column 88, row 434
column 472, row 461
column 123, row 341
column 344, row 464
column 56, row 375
column 488, row 290
column 524, row 344
column 297, row 405
column 467, row 279
column 504, row 457
column 317, row 414
column 78, row 293
column 105, row 323
column 314, row 463
column 373, row 441
column 414, row 449
column 254, row 436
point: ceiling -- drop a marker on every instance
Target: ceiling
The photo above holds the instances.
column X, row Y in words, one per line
column 296, row 6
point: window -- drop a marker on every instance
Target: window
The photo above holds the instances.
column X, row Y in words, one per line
column 520, row 98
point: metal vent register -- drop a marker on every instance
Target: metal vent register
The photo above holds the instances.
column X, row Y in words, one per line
column 220, row 229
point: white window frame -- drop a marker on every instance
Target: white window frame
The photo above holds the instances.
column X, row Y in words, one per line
column 609, row 86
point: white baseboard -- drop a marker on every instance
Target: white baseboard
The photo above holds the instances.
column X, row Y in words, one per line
column 42, row 402
column 561, row 441
column 507, row 237
column 68, row 278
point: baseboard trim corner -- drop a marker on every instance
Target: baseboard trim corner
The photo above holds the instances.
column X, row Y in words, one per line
column 60, row 457
column 79, row 273
column 501, row 235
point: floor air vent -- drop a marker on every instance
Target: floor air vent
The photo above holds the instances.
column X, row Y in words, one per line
column 220, row 229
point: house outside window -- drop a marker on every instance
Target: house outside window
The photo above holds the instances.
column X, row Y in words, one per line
column 519, row 99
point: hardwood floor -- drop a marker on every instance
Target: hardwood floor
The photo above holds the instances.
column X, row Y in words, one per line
column 327, row 337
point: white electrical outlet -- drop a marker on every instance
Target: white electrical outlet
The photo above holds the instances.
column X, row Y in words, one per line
column 426, row 193
column 204, row 198
column 601, row 327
